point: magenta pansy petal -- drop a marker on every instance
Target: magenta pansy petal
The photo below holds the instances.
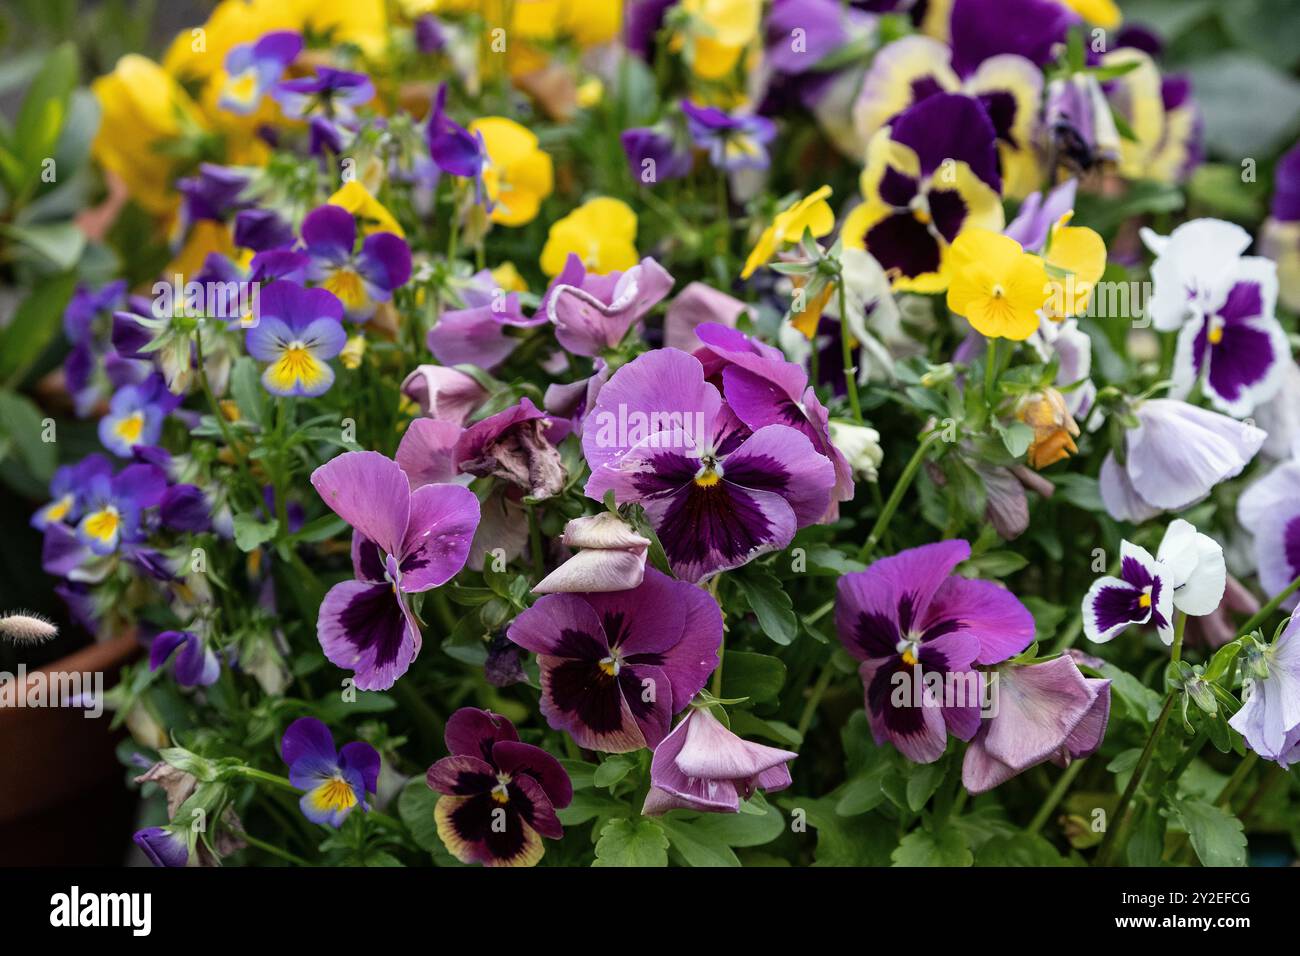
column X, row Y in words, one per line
column 437, row 541
column 369, row 492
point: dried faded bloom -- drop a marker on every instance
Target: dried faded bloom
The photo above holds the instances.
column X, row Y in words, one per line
column 1054, row 427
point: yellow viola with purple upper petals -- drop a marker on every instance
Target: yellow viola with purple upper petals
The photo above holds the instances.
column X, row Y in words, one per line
column 298, row 332
column 336, row 781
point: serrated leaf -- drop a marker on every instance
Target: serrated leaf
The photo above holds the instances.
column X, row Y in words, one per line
column 251, row 534
column 632, row 842
column 1216, row 835
column 948, row 847
column 415, row 806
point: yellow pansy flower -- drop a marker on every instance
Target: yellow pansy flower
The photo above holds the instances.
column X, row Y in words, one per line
column 518, row 174
column 717, row 34
column 601, row 232
column 811, row 213
column 1081, row 253
column 995, row 284
column 141, row 108
column 1103, row 13
column 374, row 216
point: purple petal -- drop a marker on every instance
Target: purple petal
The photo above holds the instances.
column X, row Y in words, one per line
column 369, row 492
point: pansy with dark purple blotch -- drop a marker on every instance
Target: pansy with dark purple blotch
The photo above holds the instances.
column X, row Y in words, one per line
column 331, row 94
column 1033, row 29
column 195, row 664
column 478, row 333
column 253, row 68
column 69, row 492
column 617, row 665
column 336, row 781
column 498, row 795
column 660, row 435
column 403, row 542
column 1143, row 593
column 592, row 312
column 919, row 628
column 930, row 174
column 1270, row 510
column 297, row 333
column 360, row 278
column 733, row 141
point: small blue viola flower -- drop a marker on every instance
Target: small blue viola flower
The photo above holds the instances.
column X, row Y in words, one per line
column 164, row 846
column 733, row 141
column 68, row 490
column 94, row 367
column 360, row 278
column 253, row 68
column 454, row 149
column 262, row 229
column 214, row 192
column 654, row 155
column 335, row 781
column 114, row 505
column 195, row 664
column 298, row 332
column 185, row 507
column 135, row 416
column 334, row 94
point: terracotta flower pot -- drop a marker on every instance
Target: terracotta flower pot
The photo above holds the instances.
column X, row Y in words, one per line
column 63, row 799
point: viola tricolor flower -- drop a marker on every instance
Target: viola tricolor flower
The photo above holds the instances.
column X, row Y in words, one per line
column 1270, row 510
column 1223, row 305
column 403, row 542
column 733, row 141
column 1046, row 711
column 135, row 416
column 660, row 435
column 164, row 846
column 360, row 278
column 298, row 331
column 1143, row 593
column 453, row 148
column 930, row 174
column 336, row 781
column 332, row 94
column 1269, row 718
column 114, row 506
column 68, row 491
column 1175, row 456
column 253, row 68
column 703, row 766
column 195, row 665
column 593, row 313
column 654, row 155
column 918, row 627
column 616, row 666
column 499, row 796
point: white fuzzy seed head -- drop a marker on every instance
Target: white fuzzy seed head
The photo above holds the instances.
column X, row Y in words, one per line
column 26, row 627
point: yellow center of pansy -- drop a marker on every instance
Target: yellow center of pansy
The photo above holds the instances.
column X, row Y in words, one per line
column 102, row 525
column 708, row 475
column 501, row 792
column 130, row 428
column 1215, row 333
column 295, row 364
column 242, row 87
column 336, row 794
column 349, row 288
column 1145, row 599
column 58, row 510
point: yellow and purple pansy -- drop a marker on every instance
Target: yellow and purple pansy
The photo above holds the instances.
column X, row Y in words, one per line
column 298, row 332
column 335, row 782
column 253, row 68
column 360, row 278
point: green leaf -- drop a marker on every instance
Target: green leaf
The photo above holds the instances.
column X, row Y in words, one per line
column 415, row 806
column 635, row 842
column 611, row 771
column 246, row 389
column 758, row 822
column 42, row 115
column 59, row 244
column 1016, row 437
column 1021, row 849
column 1216, row 835
column 770, row 603
column 697, row 847
column 948, row 847
column 251, row 534
column 759, row 677
column 33, row 326
column 922, row 783
column 22, row 429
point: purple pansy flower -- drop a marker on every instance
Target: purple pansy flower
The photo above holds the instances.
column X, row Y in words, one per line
column 1046, row 711
column 498, row 796
column 444, row 393
column 1081, row 124
column 335, row 781
column 654, row 155
column 1270, row 510
column 1175, row 456
column 1269, row 717
column 453, row 148
column 1143, row 593
column 616, row 666
column 478, row 332
column 69, row 492
column 213, row 193
column 920, row 629
column 660, row 435
column 824, row 26
column 195, row 666
column 359, row 278
column 332, row 94
column 298, row 332
column 253, row 68
column 1032, row 29
column 114, row 505
column 733, row 141
column 135, row 416
column 762, row 388
column 185, row 507
column 403, row 542
column 592, row 313
column 94, row 368
column 262, row 229
column 703, row 766
column 164, row 846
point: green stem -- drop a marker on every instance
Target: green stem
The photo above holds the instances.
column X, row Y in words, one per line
column 1054, row 796
column 846, row 350
column 226, row 435
column 1267, row 610
column 1235, row 781
column 1180, row 626
column 273, row 850
column 991, row 371
column 820, row 613
column 275, row 780
column 1121, row 815
column 896, row 496
column 815, row 698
